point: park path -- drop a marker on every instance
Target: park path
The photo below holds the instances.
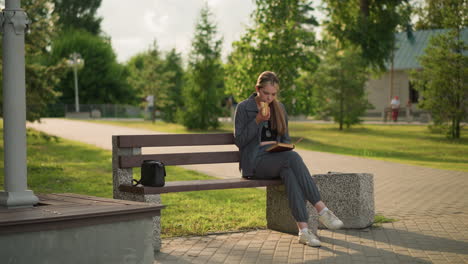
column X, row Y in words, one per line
column 431, row 204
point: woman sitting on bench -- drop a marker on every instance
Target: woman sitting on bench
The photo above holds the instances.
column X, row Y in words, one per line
column 261, row 121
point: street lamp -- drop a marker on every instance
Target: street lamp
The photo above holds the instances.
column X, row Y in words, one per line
column 76, row 62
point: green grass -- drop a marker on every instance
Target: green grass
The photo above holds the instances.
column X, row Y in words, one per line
column 414, row 145
column 59, row 166
column 56, row 165
column 408, row 144
column 380, row 219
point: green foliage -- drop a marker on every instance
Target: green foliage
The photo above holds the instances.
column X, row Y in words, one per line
column 102, row 80
column 78, row 15
column 281, row 40
column 339, row 86
column 150, row 74
column 308, row 103
column 442, row 82
column 438, row 14
column 41, row 76
column 203, row 91
column 174, row 100
column 369, row 25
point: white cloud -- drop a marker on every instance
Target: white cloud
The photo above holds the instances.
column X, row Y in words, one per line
column 128, row 46
column 133, row 26
column 155, row 24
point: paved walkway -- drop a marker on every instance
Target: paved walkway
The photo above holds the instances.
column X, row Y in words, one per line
column 430, row 204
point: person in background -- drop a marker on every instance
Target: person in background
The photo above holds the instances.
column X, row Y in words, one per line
column 257, row 128
column 395, row 105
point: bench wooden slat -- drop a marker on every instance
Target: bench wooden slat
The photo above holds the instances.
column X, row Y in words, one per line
column 181, row 158
column 199, row 185
column 133, row 141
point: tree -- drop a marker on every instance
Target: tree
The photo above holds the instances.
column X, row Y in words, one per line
column 102, row 80
column 281, row 40
column 149, row 76
column 41, row 76
column 78, row 15
column 431, row 14
column 173, row 65
column 339, row 86
column 369, row 25
column 442, row 81
column 203, row 91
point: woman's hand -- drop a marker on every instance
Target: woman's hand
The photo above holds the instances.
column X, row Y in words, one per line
column 260, row 118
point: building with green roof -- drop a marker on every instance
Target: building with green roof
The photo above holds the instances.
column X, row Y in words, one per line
column 396, row 81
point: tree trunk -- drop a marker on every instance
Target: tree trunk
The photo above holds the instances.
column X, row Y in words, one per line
column 364, row 7
column 457, row 128
column 341, row 110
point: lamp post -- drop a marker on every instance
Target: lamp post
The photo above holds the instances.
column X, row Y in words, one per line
column 13, row 24
column 76, row 62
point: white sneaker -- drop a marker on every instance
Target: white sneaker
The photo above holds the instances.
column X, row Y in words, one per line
column 330, row 220
column 309, row 238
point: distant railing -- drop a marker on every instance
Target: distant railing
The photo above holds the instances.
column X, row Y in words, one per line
column 97, row 111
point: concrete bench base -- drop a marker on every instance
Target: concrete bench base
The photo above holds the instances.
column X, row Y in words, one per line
column 349, row 195
column 119, row 242
column 74, row 228
column 149, row 198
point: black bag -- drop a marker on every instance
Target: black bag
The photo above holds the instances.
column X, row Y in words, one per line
column 153, row 174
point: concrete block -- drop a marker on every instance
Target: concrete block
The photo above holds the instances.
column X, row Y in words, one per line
column 96, row 113
column 349, row 195
column 279, row 215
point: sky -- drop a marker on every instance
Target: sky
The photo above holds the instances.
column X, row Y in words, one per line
column 134, row 25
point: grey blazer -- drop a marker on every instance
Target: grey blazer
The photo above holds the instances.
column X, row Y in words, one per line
column 247, row 134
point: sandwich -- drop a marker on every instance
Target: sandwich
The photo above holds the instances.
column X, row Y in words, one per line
column 264, row 108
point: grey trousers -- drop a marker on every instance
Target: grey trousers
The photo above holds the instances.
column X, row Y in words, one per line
column 290, row 167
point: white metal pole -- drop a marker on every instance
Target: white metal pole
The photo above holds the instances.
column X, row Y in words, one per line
column 16, row 192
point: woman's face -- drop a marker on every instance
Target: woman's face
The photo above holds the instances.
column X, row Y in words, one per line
column 267, row 93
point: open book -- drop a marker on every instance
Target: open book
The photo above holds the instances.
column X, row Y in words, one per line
column 278, row 147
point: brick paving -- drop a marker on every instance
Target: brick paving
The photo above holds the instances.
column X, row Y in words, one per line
column 431, row 207
column 418, row 240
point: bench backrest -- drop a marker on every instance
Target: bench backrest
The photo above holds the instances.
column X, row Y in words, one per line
column 139, row 141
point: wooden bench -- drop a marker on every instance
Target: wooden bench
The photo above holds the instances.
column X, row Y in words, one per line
column 127, row 154
column 135, row 160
